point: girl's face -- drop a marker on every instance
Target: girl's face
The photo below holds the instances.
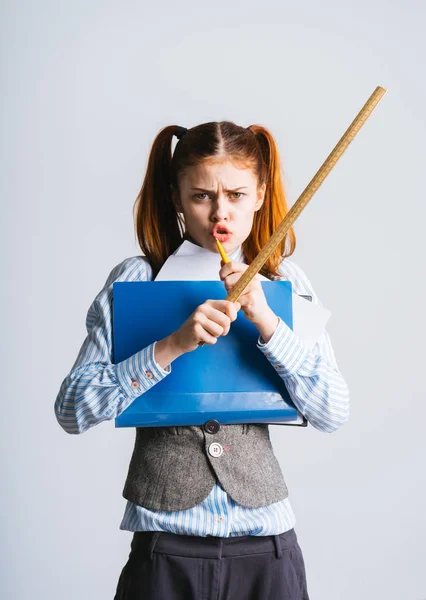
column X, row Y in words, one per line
column 218, row 200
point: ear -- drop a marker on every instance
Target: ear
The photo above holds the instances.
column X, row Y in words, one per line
column 260, row 196
column 176, row 199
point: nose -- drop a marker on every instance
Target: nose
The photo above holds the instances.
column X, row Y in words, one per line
column 220, row 209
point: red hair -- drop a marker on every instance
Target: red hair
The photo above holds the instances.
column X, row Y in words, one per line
column 159, row 227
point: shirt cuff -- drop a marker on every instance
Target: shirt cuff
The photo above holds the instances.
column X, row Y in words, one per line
column 140, row 372
column 285, row 351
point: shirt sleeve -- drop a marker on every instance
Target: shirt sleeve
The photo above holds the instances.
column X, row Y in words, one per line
column 95, row 389
column 311, row 376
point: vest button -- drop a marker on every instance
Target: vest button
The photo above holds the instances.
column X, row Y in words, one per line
column 215, row 450
column 211, row 426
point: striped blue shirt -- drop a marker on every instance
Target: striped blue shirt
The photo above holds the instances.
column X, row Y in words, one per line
column 97, row 390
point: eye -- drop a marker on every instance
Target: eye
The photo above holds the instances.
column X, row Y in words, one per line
column 240, row 194
column 197, row 196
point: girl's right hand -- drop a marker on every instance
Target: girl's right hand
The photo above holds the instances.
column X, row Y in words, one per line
column 210, row 320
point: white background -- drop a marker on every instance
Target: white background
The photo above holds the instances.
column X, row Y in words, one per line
column 86, row 86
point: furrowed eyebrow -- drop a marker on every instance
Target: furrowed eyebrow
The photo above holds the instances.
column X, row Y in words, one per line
column 210, row 191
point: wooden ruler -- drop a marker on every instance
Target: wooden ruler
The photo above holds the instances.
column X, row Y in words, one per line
column 306, row 195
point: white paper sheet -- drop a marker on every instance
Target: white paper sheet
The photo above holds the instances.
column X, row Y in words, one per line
column 194, row 263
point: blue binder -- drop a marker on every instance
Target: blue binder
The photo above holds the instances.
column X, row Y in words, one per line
column 230, row 381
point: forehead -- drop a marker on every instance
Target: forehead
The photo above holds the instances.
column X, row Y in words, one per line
column 209, row 173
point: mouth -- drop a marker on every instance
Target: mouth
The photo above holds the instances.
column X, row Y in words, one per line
column 220, row 229
column 221, row 232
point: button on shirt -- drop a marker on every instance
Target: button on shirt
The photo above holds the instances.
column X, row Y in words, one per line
column 97, row 390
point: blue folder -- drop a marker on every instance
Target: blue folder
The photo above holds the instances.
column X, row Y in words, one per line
column 230, row 381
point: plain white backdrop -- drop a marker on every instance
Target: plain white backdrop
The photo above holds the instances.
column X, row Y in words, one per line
column 86, row 86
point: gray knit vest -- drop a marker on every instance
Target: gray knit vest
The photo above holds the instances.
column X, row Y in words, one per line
column 175, row 468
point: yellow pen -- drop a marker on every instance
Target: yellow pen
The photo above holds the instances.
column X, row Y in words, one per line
column 225, row 260
column 222, row 251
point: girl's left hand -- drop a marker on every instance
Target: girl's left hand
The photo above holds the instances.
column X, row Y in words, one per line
column 253, row 301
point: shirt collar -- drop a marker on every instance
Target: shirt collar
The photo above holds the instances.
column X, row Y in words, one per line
column 237, row 255
column 189, row 248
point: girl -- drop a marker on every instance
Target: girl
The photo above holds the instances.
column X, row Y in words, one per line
column 208, row 505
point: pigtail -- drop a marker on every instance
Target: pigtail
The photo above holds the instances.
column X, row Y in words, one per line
column 156, row 218
column 273, row 210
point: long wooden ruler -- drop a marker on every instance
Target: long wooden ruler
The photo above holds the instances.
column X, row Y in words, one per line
column 306, row 195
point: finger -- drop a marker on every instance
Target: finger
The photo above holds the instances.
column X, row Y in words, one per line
column 212, row 326
column 248, row 295
column 232, row 278
column 204, row 336
column 231, row 267
column 224, row 308
column 231, row 309
column 219, row 317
